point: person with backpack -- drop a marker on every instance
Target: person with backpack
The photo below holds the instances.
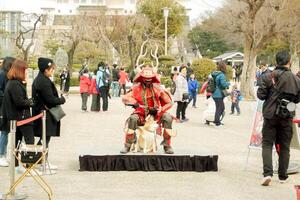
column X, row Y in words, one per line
column 217, row 85
column 103, row 81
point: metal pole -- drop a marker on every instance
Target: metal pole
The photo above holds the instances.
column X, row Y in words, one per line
column 44, row 139
column 12, row 163
column 166, row 35
column 12, row 157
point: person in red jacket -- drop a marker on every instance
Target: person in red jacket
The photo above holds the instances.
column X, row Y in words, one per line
column 95, row 106
column 123, row 79
column 84, row 85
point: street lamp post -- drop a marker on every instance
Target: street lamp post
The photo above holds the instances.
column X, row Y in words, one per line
column 166, row 14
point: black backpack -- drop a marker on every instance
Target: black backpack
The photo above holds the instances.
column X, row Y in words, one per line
column 211, row 86
column 106, row 78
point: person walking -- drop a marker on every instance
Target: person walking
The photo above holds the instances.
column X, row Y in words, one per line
column 65, row 81
column 46, row 97
column 115, row 81
column 193, row 85
column 123, row 80
column 16, row 105
column 95, row 106
column 6, row 65
column 102, row 81
column 218, row 95
column 181, row 95
column 280, row 91
column 84, row 86
column 235, row 100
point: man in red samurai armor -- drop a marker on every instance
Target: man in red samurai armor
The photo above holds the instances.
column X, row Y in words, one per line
column 147, row 97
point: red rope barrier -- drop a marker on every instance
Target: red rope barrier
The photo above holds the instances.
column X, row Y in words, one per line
column 26, row 121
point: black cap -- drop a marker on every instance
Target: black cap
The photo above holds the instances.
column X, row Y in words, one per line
column 44, row 63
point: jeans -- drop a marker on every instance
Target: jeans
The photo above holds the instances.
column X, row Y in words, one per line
column 104, row 96
column 194, row 98
column 276, row 131
column 123, row 86
column 3, row 143
column 181, row 108
column 115, row 88
column 235, row 106
column 84, row 98
column 220, row 108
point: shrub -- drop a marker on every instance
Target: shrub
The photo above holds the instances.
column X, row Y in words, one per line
column 166, row 62
column 202, row 68
column 229, row 73
column 166, row 81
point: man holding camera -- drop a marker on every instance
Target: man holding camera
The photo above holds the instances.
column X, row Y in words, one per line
column 280, row 90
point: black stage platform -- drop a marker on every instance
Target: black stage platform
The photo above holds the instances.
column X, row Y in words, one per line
column 149, row 162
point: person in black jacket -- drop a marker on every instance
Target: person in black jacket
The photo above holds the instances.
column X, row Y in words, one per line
column 16, row 105
column 115, row 81
column 46, row 96
column 6, row 65
column 278, row 89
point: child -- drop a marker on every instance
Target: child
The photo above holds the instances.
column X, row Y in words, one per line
column 85, row 83
column 193, row 88
column 235, row 99
column 95, row 106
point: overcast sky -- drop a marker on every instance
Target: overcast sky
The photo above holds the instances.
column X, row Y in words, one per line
column 199, row 7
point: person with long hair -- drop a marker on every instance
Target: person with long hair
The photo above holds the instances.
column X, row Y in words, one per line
column 16, row 104
column 218, row 95
column 6, row 65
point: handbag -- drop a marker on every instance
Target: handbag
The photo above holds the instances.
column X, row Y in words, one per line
column 185, row 96
column 57, row 112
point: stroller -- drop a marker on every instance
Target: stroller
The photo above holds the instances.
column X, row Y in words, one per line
column 209, row 113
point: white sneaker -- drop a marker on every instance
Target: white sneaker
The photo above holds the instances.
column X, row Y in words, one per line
column 282, row 181
column 52, row 167
column 20, row 170
column 3, row 162
column 266, row 181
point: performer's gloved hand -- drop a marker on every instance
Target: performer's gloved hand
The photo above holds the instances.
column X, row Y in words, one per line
column 153, row 111
column 136, row 105
column 62, row 100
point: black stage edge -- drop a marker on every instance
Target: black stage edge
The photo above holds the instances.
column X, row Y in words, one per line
column 148, row 163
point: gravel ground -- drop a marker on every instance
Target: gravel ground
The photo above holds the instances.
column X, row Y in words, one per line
column 101, row 133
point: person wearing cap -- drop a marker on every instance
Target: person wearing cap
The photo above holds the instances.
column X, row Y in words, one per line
column 148, row 98
column 46, row 96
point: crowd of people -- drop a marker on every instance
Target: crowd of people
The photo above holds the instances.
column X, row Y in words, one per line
column 277, row 86
column 16, row 105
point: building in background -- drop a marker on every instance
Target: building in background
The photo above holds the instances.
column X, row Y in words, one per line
column 16, row 15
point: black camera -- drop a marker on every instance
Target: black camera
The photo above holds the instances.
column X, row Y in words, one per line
column 285, row 108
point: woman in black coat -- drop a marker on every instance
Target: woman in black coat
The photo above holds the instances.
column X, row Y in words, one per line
column 46, row 96
column 16, row 105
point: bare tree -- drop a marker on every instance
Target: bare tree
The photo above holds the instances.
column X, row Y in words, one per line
column 26, row 36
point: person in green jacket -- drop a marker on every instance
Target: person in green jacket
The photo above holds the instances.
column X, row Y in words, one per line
column 218, row 95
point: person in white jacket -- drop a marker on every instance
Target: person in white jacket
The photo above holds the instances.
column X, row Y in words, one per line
column 181, row 95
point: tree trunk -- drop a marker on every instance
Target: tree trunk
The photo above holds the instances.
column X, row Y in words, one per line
column 294, row 58
column 249, row 68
